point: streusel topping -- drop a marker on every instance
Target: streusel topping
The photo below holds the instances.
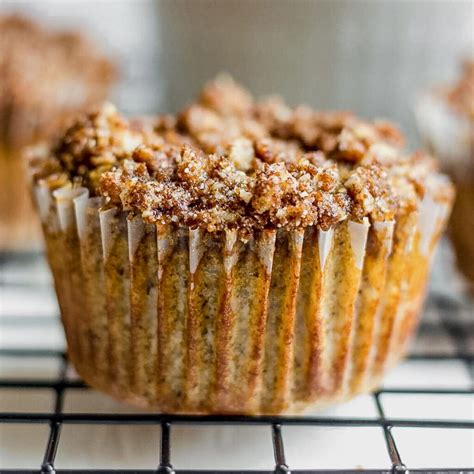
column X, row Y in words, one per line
column 229, row 162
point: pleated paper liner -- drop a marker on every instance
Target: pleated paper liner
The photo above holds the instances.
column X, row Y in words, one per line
column 450, row 137
column 185, row 321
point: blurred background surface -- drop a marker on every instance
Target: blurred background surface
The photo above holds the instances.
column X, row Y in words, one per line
column 126, row 31
column 365, row 55
column 369, row 56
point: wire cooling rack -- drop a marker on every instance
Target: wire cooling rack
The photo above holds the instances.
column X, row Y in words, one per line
column 460, row 333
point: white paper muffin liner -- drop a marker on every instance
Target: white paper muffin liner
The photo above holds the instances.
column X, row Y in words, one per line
column 185, row 321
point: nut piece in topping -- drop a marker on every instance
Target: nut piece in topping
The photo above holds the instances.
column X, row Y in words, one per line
column 242, row 154
column 226, row 97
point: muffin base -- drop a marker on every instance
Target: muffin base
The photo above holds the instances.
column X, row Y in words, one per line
column 183, row 321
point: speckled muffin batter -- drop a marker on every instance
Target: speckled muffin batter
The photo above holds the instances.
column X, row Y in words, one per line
column 242, row 257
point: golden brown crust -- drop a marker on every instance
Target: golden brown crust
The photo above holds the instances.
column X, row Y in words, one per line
column 231, row 163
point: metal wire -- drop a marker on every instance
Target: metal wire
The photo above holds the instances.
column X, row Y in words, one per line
column 397, row 465
column 165, row 466
column 61, row 386
column 55, row 426
column 56, row 419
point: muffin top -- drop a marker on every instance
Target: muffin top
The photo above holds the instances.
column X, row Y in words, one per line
column 460, row 95
column 229, row 161
column 44, row 76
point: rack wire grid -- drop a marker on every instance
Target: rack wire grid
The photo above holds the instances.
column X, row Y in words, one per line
column 461, row 334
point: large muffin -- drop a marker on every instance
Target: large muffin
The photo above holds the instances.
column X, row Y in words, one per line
column 45, row 78
column 244, row 257
column 446, row 122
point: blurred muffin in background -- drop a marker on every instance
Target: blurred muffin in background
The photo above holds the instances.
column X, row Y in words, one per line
column 45, row 77
column 445, row 118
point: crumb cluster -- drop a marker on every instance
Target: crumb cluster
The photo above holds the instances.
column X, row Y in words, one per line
column 230, row 162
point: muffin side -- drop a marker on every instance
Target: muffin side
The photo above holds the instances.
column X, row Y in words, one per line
column 201, row 380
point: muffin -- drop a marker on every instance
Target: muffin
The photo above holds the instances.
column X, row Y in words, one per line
column 242, row 257
column 446, row 123
column 44, row 78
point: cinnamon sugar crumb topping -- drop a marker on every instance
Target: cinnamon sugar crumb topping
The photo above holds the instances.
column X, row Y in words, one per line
column 231, row 163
